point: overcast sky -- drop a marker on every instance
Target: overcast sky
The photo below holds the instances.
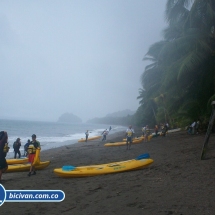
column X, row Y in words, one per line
column 78, row 56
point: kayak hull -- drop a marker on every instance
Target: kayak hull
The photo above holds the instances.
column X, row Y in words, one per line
column 17, row 161
column 94, row 170
column 135, row 141
column 26, row 167
column 90, row 138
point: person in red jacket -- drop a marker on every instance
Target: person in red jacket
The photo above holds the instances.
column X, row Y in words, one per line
column 31, row 156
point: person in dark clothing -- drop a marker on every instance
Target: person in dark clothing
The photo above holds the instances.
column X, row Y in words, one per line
column 197, row 126
column 165, row 129
column 86, row 135
column 156, row 130
column 26, row 148
column 3, row 162
column 16, row 147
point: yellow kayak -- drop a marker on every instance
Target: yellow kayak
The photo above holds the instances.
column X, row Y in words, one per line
column 142, row 137
column 135, row 141
column 90, row 138
column 26, row 167
column 136, row 138
column 93, row 170
column 150, row 137
column 17, row 161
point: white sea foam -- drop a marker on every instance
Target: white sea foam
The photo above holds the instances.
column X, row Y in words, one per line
column 50, row 134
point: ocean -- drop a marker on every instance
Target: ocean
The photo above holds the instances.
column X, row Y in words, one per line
column 51, row 134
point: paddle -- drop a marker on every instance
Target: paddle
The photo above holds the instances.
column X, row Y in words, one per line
column 143, row 156
column 68, row 168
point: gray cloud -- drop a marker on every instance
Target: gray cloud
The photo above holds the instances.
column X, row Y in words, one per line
column 83, row 57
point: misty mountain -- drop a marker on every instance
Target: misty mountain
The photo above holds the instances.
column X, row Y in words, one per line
column 124, row 117
column 122, row 113
column 69, row 118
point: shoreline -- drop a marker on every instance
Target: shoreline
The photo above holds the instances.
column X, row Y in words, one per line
column 56, row 145
column 171, row 185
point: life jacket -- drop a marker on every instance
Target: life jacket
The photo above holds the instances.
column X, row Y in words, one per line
column 31, row 149
column 129, row 133
column 6, row 148
column 147, row 131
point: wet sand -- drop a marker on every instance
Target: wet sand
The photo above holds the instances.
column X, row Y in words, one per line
column 178, row 182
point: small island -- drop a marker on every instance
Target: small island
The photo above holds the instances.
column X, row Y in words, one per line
column 69, row 118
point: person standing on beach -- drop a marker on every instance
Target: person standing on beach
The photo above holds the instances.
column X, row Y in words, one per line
column 197, row 126
column 129, row 137
column 3, row 162
column 147, row 133
column 156, row 130
column 16, row 147
column 31, row 156
column 104, row 133
column 165, row 129
column 26, row 148
column 143, row 130
column 86, row 134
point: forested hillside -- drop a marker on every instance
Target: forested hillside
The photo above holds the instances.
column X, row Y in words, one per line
column 178, row 85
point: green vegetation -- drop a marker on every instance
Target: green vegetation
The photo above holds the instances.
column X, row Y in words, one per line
column 179, row 84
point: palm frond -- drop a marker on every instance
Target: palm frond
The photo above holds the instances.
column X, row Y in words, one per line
column 176, row 10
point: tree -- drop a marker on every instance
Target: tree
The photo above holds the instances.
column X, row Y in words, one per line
column 181, row 78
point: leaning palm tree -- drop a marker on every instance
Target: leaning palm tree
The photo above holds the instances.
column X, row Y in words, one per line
column 183, row 63
column 190, row 50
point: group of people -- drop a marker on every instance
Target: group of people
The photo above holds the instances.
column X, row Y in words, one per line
column 129, row 135
column 16, row 146
column 104, row 134
column 145, row 133
column 163, row 128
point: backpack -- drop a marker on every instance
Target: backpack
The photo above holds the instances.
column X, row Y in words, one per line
column 15, row 144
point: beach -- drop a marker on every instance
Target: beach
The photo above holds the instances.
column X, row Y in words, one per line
column 178, row 182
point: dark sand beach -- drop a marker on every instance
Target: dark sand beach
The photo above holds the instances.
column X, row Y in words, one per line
column 178, row 182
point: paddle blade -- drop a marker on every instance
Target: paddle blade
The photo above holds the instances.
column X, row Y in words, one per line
column 68, row 168
column 143, row 156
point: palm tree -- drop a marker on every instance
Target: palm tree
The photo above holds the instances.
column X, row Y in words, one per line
column 192, row 51
column 182, row 66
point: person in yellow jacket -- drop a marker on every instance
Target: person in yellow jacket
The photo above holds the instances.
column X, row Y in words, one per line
column 129, row 137
column 147, row 133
